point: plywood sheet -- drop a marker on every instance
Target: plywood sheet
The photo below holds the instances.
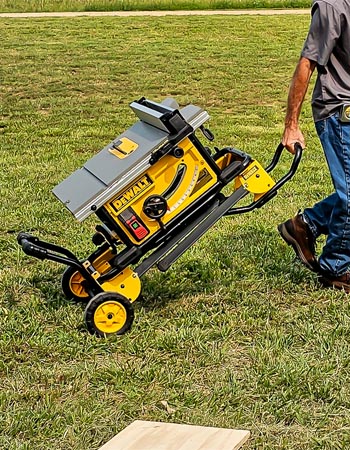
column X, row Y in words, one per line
column 144, row 435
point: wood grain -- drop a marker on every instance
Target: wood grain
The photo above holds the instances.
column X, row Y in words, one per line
column 144, row 435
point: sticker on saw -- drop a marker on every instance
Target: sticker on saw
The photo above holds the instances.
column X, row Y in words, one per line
column 123, row 147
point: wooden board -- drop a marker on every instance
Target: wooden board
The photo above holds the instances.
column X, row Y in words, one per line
column 143, row 435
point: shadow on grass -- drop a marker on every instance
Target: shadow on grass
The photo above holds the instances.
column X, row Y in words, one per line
column 228, row 263
column 221, row 261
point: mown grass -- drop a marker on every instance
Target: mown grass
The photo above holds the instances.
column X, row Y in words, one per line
column 236, row 334
column 146, row 5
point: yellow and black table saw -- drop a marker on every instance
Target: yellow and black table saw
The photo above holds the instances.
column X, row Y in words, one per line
column 156, row 189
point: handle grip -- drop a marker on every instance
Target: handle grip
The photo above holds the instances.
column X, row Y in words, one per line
column 22, row 236
column 29, row 245
column 39, row 249
column 272, row 192
column 33, row 246
column 295, row 163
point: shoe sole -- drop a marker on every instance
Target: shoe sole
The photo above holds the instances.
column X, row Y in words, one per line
column 296, row 247
column 334, row 284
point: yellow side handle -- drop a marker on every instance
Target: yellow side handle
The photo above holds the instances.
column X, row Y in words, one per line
column 255, row 179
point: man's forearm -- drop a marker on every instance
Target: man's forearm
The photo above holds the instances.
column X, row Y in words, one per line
column 297, row 90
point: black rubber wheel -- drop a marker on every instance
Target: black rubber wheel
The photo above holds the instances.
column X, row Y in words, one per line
column 108, row 313
column 72, row 286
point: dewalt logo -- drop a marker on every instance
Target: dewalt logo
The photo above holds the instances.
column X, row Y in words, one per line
column 132, row 192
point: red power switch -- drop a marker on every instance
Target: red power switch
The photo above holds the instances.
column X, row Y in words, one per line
column 134, row 224
column 137, row 228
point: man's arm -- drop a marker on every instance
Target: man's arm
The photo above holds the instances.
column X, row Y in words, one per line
column 297, row 91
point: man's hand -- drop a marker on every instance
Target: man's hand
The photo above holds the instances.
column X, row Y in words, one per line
column 290, row 137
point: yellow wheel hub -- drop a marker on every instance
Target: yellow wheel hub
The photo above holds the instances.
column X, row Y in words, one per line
column 75, row 285
column 110, row 317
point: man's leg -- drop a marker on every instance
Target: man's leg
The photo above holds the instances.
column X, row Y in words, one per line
column 302, row 230
column 335, row 139
column 319, row 215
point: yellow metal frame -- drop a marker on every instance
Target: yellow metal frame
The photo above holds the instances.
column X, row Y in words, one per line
column 126, row 283
column 101, row 265
column 255, row 179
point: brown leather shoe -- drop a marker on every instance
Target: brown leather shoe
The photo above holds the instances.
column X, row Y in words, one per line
column 297, row 233
column 341, row 282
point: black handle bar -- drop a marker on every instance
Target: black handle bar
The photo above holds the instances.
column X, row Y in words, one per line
column 298, row 151
column 273, row 191
column 33, row 246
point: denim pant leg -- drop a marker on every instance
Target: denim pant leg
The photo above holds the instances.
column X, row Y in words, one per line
column 332, row 215
column 318, row 216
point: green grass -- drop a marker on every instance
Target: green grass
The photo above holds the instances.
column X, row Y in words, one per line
column 236, row 334
column 136, row 5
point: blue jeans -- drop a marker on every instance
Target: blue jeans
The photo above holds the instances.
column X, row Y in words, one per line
column 331, row 216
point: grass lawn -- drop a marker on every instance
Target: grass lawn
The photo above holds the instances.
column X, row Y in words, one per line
column 132, row 5
column 236, row 334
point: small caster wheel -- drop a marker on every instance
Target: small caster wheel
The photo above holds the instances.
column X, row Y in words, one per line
column 72, row 285
column 108, row 313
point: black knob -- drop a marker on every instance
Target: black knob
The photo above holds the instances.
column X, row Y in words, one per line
column 155, row 206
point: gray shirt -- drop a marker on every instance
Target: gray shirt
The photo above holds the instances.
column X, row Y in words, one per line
column 328, row 44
